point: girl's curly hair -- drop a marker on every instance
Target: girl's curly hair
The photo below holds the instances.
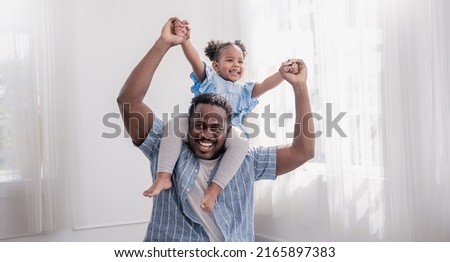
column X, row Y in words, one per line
column 214, row 48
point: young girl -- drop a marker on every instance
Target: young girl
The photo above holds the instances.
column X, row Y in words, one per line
column 221, row 77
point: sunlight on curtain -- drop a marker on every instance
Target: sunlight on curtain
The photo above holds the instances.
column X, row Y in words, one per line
column 417, row 112
column 29, row 196
column 339, row 194
column 385, row 66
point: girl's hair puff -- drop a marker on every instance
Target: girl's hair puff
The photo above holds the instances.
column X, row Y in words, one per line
column 214, row 48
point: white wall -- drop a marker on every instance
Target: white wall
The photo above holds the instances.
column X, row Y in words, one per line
column 103, row 41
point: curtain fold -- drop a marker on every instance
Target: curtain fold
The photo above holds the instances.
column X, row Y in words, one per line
column 416, row 94
column 384, row 65
column 30, row 200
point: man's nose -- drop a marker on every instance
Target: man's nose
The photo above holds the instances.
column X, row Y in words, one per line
column 207, row 133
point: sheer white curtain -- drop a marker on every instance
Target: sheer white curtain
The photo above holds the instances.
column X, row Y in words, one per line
column 376, row 178
column 417, row 118
column 29, row 162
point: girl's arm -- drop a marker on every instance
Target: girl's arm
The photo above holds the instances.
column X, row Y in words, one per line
column 269, row 83
column 131, row 97
column 182, row 28
column 194, row 59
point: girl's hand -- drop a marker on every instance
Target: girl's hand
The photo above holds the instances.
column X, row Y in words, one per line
column 294, row 71
column 181, row 28
column 291, row 67
column 169, row 36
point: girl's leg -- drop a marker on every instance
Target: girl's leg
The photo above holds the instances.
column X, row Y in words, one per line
column 236, row 150
column 170, row 148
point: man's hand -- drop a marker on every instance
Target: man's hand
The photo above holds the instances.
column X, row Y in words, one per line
column 181, row 28
column 294, row 71
column 170, row 36
column 302, row 148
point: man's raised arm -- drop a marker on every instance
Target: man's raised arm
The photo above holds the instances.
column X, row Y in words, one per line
column 137, row 116
column 302, row 148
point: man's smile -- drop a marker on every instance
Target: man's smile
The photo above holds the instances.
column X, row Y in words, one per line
column 205, row 145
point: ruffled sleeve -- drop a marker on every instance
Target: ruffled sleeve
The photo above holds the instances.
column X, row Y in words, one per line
column 207, row 86
column 246, row 103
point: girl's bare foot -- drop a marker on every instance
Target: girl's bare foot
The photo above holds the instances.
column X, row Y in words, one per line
column 209, row 199
column 162, row 182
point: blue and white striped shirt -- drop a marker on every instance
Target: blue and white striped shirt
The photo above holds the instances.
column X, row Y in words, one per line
column 173, row 219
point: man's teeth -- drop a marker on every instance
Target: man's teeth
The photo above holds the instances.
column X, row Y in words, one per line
column 208, row 144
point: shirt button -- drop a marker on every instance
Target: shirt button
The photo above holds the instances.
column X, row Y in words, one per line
column 196, row 170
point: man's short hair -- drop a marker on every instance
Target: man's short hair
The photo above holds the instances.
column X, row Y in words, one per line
column 211, row 99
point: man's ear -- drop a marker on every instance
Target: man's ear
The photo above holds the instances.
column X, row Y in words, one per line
column 229, row 129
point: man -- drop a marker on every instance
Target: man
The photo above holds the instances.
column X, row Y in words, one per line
column 176, row 215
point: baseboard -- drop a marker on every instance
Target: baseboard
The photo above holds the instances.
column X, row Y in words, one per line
column 266, row 238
